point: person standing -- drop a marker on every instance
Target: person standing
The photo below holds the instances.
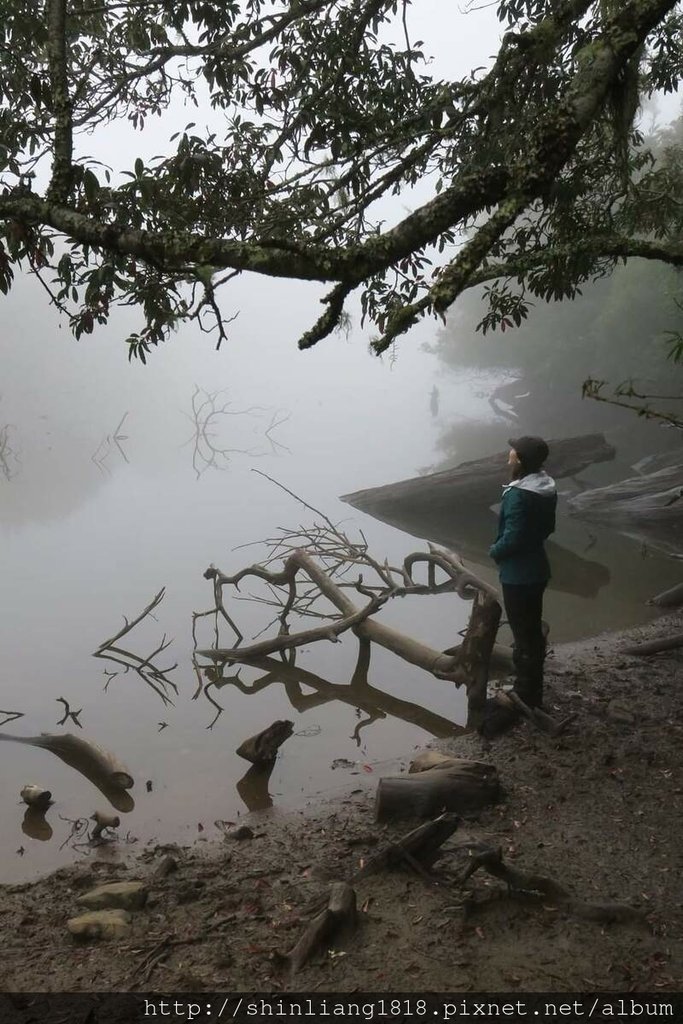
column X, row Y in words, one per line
column 527, row 517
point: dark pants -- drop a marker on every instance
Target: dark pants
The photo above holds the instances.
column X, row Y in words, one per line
column 524, row 611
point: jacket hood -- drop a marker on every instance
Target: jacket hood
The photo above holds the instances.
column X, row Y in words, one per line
column 539, row 483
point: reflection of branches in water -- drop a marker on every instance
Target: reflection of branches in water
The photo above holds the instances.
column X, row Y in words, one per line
column 10, row 716
column 317, row 562
column 208, row 411
column 107, row 444
column 9, row 459
column 154, row 676
column 358, row 693
column 68, row 713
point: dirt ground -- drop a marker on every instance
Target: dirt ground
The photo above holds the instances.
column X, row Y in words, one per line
column 598, row 809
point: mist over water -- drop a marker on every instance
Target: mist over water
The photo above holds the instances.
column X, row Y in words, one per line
column 105, row 498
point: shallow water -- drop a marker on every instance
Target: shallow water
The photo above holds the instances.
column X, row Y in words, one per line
column 105, row 498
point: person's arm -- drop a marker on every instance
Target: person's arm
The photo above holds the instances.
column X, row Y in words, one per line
column 512, row 538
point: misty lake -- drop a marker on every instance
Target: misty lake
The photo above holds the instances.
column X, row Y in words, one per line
column 107, row 494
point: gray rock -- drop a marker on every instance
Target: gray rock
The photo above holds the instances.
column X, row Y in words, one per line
column 124, row 895
column 100, row 924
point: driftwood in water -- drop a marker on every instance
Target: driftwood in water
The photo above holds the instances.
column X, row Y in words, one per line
column 459, row 785
column 339, row 913
column 543, row 888
column 453, row 508
column 36, row 797
column 421, row 846
column 648, row 507
column 479, row 482
column 103, row 820
column 671, row 598
column 103, row 769
column 668, row 643
column 263, row 747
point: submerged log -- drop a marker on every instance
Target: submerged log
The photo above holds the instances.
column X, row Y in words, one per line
column 477, row 482
column 459, row 785
column 339, row 913
column 103, row 769
column 647, row 507
column 263, row 747
column 453, row 508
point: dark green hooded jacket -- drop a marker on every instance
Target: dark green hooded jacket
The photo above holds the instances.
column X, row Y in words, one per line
column 527, row 517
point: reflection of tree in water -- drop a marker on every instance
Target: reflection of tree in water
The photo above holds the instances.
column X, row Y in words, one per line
column 209, row 412
column 107, row 445
column 358, row 693
column 9, row 458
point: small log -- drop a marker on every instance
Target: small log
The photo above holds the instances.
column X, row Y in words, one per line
column 669, row 643
column 671, row 598
column 465, row 786
column 422, row 845
column 340, row 912
column 263, row 747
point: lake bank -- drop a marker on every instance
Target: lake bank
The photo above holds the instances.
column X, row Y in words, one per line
column 598, row 810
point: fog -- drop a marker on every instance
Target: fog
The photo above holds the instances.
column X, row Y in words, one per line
column 94, row 524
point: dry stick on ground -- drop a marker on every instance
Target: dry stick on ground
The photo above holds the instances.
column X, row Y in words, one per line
column 339, row 913
column 156, row 678
column 669, row 643
column 519, row 882
column 543, row 722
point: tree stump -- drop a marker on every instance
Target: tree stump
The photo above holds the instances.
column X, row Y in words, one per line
column 455, row 785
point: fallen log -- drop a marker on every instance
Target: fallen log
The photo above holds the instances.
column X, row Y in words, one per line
column 422, row 845
column 668, row 643
column 461, row 785
column 520, row 882
column 263, row 747
column 671, row 598
column 339, row 913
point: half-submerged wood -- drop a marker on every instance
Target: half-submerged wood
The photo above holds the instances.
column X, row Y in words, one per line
column 263, row 747
column 99, row 766
column 453, row 508
column 458, row 785
column 648, row 507
column 477, row 482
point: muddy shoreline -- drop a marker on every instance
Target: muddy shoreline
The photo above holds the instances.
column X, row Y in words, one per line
column 597, row 809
